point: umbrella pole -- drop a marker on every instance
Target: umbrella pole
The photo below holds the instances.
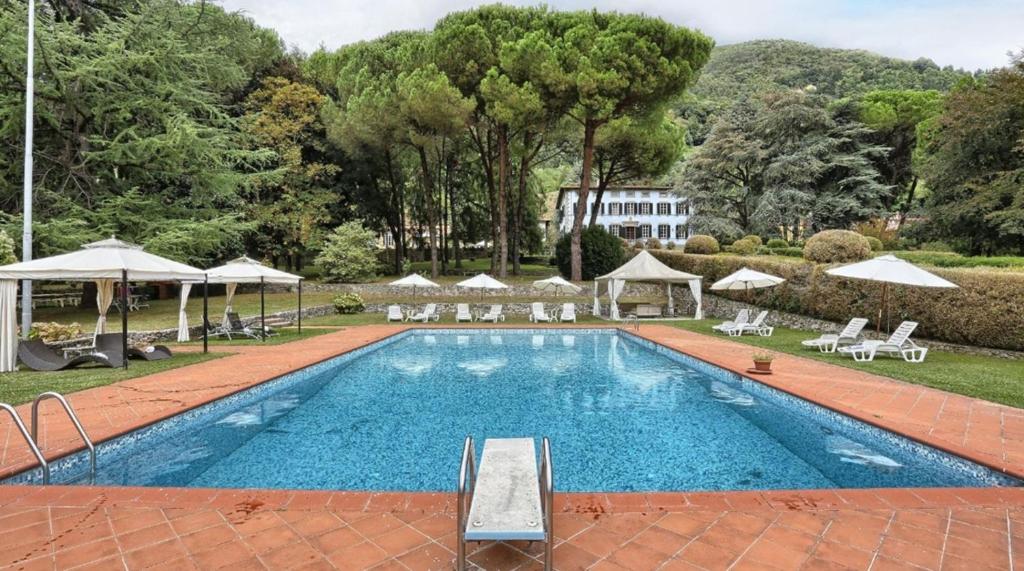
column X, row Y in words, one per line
column 300, row 306
column 206, row 313
column 263, row 314
column 881, row 307
column 124, row 317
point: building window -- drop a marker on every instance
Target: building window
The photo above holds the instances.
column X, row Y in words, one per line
column 663, row 232
column 615, row 209
column 602, row 209
column 682, row 209
column 646, row 208
column 645, row 231
column 680, row 231
column 664, row 208
column 575, row 205
column 630, row 209
column 645, row 194
column 629, row 232
column 615, row 230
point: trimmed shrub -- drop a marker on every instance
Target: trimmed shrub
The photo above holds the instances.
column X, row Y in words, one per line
column 777, row 243
column 935, row 247
column 653, row 244
column 6, row 249
column 744, row 247
column 791, row 252
column 754, row 238
column 601, row 252
column 988, row 309
column 874, row 243
column 348, row 303
column 349, row 255
column 832, row 246
column 701, row 244
column 53, row 332
column 670, row 246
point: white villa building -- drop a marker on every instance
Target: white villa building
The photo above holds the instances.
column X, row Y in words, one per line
column 631, row 212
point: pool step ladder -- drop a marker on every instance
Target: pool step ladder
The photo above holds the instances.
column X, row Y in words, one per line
column 508, row 499
column 32, row 438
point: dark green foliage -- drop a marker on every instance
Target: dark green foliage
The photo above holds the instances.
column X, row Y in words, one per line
column 602, row 253
column 348, row 303
column 833, row 246
column 6, row 249
column 777, row 243
column 701, row 244
column 349, row 254
column 874, row 243
column 744, row 247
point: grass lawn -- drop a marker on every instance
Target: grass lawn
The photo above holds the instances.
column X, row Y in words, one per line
column 286, row 335
column 989, row 378
column 23, row 386
column 483, row 265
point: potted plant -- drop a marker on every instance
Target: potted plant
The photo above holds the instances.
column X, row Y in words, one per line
column 763, row 361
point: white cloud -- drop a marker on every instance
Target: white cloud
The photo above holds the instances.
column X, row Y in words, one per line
column 968, row 34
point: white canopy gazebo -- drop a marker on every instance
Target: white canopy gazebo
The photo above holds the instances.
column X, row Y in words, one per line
column 246, row 270
column 643, row 268
column 104, row 262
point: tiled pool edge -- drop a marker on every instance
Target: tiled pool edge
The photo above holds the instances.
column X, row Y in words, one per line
column 963, row 453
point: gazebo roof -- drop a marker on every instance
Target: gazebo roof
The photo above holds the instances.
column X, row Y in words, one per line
column 646, row 268
column 246, row 270
column 106, row 259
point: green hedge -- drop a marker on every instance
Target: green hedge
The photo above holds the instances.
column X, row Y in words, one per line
column 986, row 310
column 953, row 260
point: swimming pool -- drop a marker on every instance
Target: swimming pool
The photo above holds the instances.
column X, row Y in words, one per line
column 622, row 413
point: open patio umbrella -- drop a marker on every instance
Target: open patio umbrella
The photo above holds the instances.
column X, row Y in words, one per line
column 481, row 282
column 414, row 281
column 246, row 270
column 889, row 269
column 556, row 284
column 746, row 279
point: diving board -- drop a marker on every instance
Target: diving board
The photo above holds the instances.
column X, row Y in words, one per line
column 509, row 499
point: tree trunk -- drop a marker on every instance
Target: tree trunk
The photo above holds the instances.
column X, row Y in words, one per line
column 454, row 226
column 503, row 164
column 576, row 245
column 428, row 188
column 906, row 206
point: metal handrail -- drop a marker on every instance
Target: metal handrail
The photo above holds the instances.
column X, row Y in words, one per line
column 547, row 492
column 467, row 482
column 74, row 420
column 28, row 440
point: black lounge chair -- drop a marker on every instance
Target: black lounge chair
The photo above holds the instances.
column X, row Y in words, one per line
column 111, row 344
column 236, row 327
column 38, row 356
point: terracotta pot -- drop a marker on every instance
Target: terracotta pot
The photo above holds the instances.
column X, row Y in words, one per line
column 763, row 365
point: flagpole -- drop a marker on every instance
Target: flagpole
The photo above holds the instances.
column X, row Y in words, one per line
column 26, row 237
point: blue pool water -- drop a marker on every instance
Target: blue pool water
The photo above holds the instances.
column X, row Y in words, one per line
column 623, row 414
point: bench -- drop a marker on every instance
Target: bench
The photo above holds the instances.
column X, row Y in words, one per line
column 508, row 499
column 648, row 310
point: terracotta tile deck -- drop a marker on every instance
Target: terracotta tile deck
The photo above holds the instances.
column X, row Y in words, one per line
column 61, row 527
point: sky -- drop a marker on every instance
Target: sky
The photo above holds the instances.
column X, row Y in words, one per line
column 971, row 34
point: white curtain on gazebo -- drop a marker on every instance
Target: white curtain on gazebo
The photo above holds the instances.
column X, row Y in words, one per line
column 229, row 296
column 695, row 290
column 182, row 318
column 8, row 325
column 615, row 288
column 104, row 297
column 597, row 300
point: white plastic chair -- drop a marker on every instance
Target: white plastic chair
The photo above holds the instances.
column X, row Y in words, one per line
column 537, row 313
column 897, row 343
column 462, row 313
column 395, row 313
column 568, row 313
column 829, row 342
column 741, row 318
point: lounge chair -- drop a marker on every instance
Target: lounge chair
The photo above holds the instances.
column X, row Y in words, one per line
column 395, row 313
column 568, row 313
column 429, row 313
column 755, row 326
column 462, row 312
column 493, row 314
column 741, row 318
column 38, row 356
column 897, row 343
column 829, row 342
column 236, row 327
column 110, row 344
column 537, row 313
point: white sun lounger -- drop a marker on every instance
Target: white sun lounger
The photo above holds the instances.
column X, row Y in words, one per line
column 493, row 314
column 429, row 312
column 829, row 342
column 462, row 312
column 395, row 313
column 537, row 313
column 898, row 343
column 755, row 326
column 568, row 313
column 742, row 317
column 508, row 499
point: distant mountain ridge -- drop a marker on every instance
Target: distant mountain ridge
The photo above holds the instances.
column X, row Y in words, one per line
column 765, row 65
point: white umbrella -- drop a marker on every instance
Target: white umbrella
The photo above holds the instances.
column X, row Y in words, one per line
column 414, row 281
column 745, row 279
column 246, row 270
column 889, row 269
column 481, row 282
column 556, row 284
